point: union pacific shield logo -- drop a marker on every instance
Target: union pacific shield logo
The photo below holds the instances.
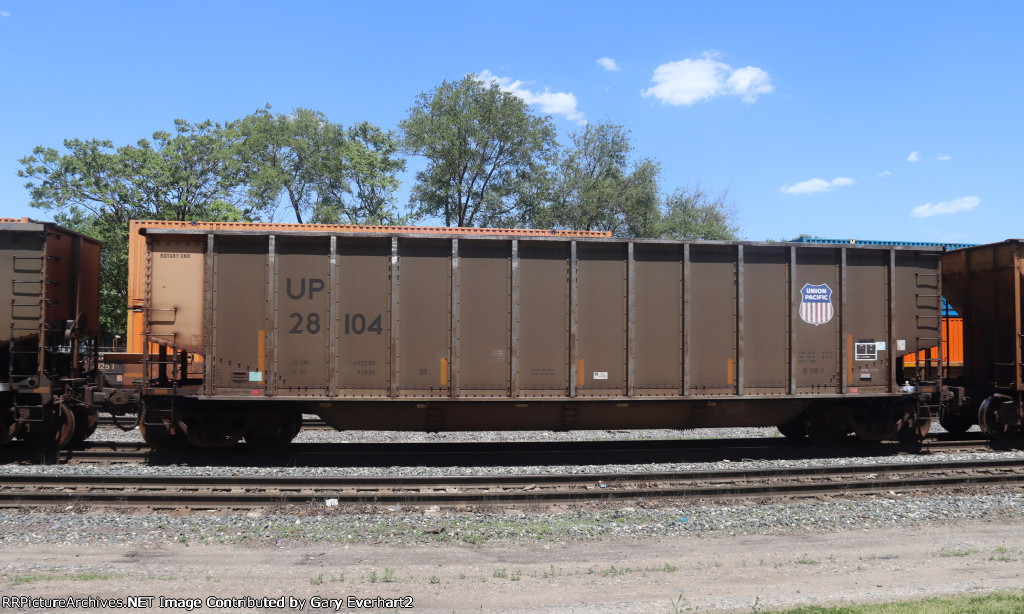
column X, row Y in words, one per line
column 816, row 304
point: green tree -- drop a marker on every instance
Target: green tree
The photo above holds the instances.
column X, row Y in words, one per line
column 598, row 188
column 97, row 189
column 309, row 164
column 693, row 213
column 487, row 155
column 286, row 158
column 373, row 161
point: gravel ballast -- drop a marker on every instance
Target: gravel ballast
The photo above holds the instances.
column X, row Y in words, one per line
column 631, row 556
column 394, row 524
column 436, row 526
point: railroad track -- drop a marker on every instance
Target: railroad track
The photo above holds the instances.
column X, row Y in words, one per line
column 233, row 492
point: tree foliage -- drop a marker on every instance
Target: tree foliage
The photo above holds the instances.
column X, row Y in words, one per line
column 281, row 156
column 374, row 160
column 693, row 213
column 310, row 164
column 599, row 188
column 487, row 154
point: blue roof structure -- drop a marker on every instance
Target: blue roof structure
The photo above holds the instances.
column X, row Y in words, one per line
column 873, row 242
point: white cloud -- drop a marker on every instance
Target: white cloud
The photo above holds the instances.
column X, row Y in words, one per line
column 885, row 174
column 749, row 82
column 689, row 81
column 4, row 14
column 914, row 156
column 954, row 206
column 943, row 157
column 815, row 186
column 556, row 103
column 608, row 64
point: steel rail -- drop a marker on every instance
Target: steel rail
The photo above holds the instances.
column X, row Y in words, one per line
column 243, row 492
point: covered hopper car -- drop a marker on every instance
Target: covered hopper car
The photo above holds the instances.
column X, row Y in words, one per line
column 49, row 318
column 245, row 329
column 984, row 283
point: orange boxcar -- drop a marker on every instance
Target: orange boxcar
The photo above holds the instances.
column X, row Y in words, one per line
column 952, row 351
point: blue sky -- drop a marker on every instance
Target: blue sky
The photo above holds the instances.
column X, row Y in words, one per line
column 869, row 120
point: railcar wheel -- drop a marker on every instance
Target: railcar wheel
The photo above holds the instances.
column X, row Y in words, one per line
column 157, row 433
column 86, row 419
column 956, row 423
column 827, row 425
column 998, row 417
column 916, row 432
column 57, row 433
column 795, row 428
column 272, row 430
column 6, row 425
column 65, row 426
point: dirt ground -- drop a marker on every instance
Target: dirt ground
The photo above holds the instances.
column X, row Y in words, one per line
column 742, row 573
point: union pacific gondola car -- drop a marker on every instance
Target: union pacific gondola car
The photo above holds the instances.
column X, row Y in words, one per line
column 244, row 329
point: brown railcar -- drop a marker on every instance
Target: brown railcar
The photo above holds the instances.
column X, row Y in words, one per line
column 433, row 332
column 984, row 284
column 49, row 318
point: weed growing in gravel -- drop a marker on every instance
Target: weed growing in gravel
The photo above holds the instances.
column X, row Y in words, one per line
column 323, row 578
column 435, row 580
column 78, row 577
column 500, row 573
column 996, row 603
column 93, row 576
column 956, row 553
column 1001, row 555
column 806, row 560
column 679, row 605
column 615, row 571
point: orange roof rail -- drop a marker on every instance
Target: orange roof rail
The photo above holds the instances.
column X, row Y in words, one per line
column 138, row 225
